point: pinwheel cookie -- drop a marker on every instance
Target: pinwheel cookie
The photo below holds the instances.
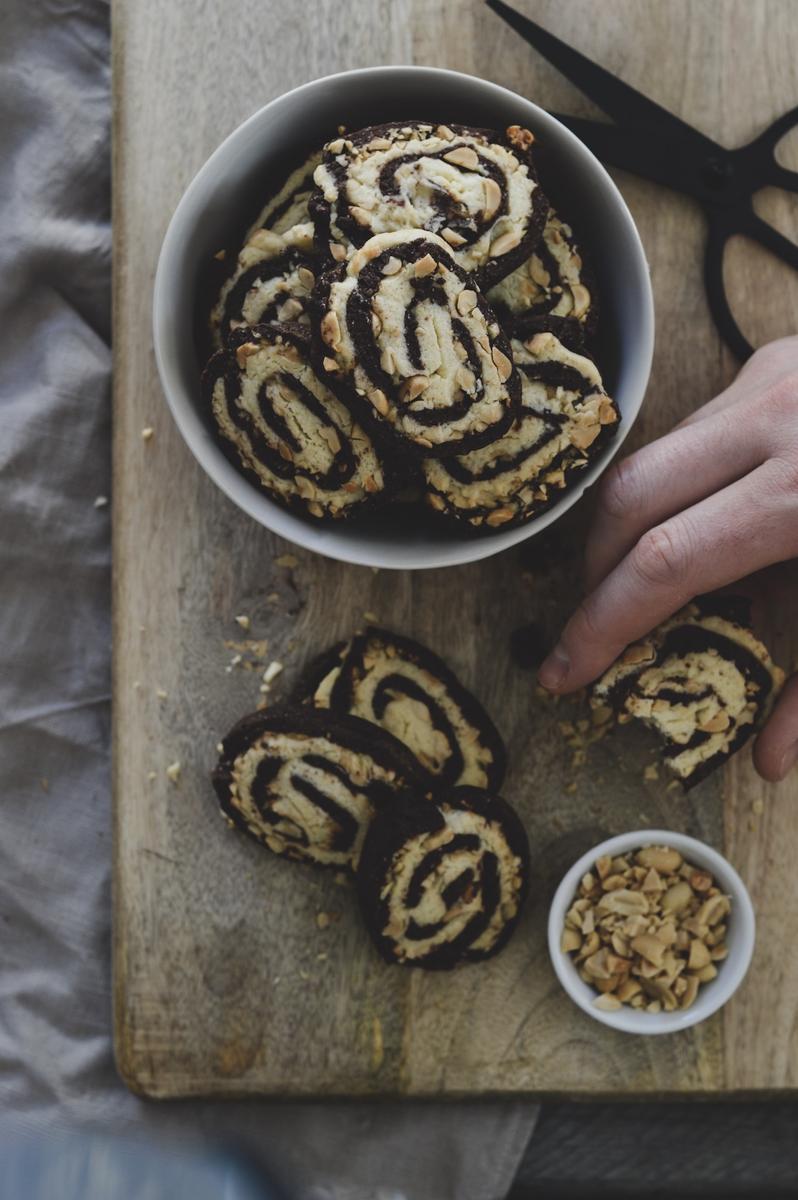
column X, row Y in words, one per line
column 286, row 428
column 413, row 345
column 442, row 884
column 702, row 680
column 405, row 688
column 307, row 784
column 564, row 420
column 476, row 188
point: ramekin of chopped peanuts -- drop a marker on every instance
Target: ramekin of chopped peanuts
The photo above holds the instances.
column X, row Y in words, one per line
column 651, row 932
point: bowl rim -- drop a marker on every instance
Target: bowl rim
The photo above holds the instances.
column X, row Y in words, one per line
column 258, row 505
column 731, row 972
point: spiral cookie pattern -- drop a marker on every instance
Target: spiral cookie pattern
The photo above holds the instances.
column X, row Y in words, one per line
column 440, row 884
column 564, row 420
column 288, row 207
column 702, row 680
column 298, row 440
column 273, row 281
column 476, row 189
column 416, row 345
column 551, row 289
column 404, row 687
column 307, row 784
column 275, row 272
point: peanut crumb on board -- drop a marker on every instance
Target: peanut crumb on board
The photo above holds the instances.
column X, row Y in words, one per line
column 286, row 560
column 161, row 694
column 173, row 772
column 758, row 806
column 147, row 433
column 651, row 771
column 322, row 920
column 272, row 671
column 151, row 775
column 243, row 621
column 220, row 255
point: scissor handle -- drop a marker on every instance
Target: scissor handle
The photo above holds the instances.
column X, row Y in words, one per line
column 761, row 154
column 747, row 224
column 717, row 237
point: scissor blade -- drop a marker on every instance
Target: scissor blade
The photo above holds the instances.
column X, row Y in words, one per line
column 659, row 158
column 620, row 101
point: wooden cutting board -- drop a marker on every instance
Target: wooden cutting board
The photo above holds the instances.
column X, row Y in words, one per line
column 225, row 983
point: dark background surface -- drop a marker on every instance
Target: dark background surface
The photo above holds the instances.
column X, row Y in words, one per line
column 738, row 1148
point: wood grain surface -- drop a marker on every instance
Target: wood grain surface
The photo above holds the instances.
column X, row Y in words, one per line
column 224, row 982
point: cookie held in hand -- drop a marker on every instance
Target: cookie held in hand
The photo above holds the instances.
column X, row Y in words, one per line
column 287, row 429
column 307, row 784
column 405, row 688
column 702, row 680
column 442, row 884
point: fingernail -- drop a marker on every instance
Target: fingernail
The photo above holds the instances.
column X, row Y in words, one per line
column 554, row 670
column 788, row 761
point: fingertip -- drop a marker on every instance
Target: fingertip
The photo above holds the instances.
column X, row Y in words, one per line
column 554, row 670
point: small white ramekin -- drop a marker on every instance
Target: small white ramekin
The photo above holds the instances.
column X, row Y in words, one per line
column 711, row 996
column 231, row 187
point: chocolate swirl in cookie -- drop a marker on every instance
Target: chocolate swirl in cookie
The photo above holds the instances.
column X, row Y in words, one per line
column 440, row 884
column 275, row 270
column 416, row 345
column 702, row 680
column 287, row 430
column 475, row 188
column 404, row 687
column 551, row 290
column 288, row 207
column 273, row 281
column 307, row 784
column 564, row 420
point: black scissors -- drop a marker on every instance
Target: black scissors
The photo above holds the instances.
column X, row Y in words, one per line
column 650, row 141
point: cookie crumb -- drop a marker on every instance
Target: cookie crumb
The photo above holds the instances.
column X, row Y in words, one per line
column 286, row 560
column 173, row 772
column 243, row 621
column 272, row 671
column 651, row 771
column 322, row 920
column 161, row 694
column 147, row 433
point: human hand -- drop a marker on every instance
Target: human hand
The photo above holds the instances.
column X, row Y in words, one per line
column 714, row 500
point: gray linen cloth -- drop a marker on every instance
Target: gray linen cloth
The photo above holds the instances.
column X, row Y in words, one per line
column 56, row 1064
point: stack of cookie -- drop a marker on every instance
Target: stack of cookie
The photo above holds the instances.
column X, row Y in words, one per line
column 409, row 310
column 387, row 766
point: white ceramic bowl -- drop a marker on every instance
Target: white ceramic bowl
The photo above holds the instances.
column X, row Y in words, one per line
column 231, row 187
column 711, row 996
